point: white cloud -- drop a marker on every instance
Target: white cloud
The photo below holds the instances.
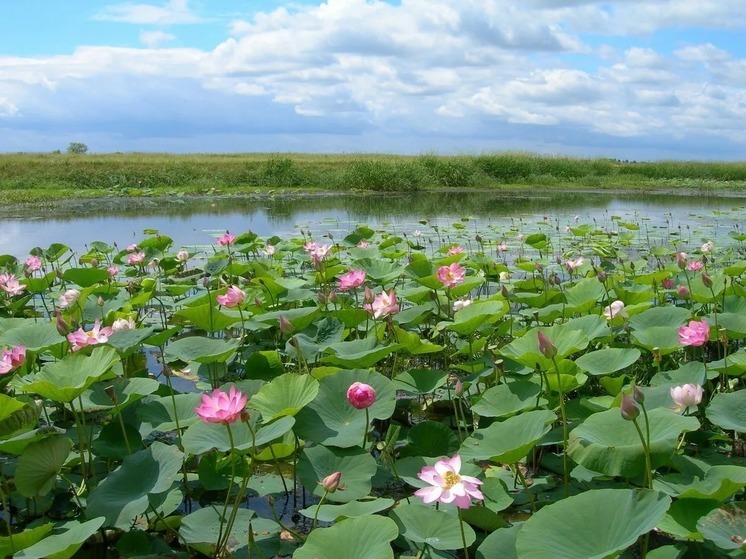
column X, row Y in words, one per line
column 7, row 109
column 154, row 39
column 174, row 12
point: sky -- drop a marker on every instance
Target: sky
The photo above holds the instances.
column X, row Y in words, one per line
column 628, row 79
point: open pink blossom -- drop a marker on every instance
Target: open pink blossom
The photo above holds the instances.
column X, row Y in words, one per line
column 226, row 239
column 68, row 298
column 694, row 266
column 11, row 285
column 112, row 271
column 362, row 244
column 613, row 309
column 451, row 275
column 384, row 304
column 361, row 395
column 221, row 407
column 135, row 258
column 232, row 298
column 572, row 264
column 80, row 338
column 33, row 263
column 11, row 359
column 447, row 485
column 351, row 280
column 686, row 396
column 269, row 250
column 502, row 247
column 455, row 249
column 695, row 333
column 182, row 256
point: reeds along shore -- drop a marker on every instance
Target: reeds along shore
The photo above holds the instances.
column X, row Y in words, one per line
column 47, row 176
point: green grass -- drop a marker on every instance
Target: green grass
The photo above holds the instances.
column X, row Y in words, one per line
column 40, row 177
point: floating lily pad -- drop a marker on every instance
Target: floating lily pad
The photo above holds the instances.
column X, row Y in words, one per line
column 357, row 538
column 439, row 529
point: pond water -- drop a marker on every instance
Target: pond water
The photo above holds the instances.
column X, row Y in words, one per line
column 195, row 222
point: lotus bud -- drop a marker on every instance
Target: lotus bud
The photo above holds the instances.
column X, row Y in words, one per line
column 62, row 327
column 94, row 262
column 681, row 259
column 285, row 326
column 206, row 282
column 504, row 291
column 547, row 348
column 112, row 394
column 332, row 296
column 368, row 296
column 628, row 408
column 100, row 301
column 682, row 291
column 331, row 482
column 478, row 238
column 458, row 390
column 706, row 280
column 637, row 395
column 601, row 276
column 321, row 298
column 667, row 283
column 59, row 273
column 539, row 267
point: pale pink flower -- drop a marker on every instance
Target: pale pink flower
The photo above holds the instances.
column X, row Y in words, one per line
column 33, row 263
column 384, row 304
column 182, row 256
column 269, row 250
column 361, row 395
column 310, row 246
column 12, row 358
column 121, row 324
column 572, row 264
column 132, row 248
column 613, row 309
column 351, row 280
column 232, row 298
column 520, row 237
column 448, row 485
column 417, row 233
column 462, row 303
column 112, row 271
column 455, row 249
column 80, row 338
column 452, row 275
column 686, row 396
column 362, row 244
column 135, row 258
column 694, row 265
column 707, row 247
column 682, row 291
column 695, row 333
column 226, row 239
column 681, row 259
column 502, row 247
column 68, row 298
column 221, row 407
column 11, row 285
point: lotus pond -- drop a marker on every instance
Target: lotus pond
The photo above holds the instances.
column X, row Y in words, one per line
column 558, row 387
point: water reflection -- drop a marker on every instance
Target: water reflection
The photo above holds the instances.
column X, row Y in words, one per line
column 196, row 221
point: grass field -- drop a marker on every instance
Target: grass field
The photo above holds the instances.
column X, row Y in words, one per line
column 43, row 177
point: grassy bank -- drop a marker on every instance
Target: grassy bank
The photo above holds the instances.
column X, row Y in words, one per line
column 40, row 177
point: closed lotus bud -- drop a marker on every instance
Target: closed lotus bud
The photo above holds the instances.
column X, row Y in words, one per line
column 682, row 291
column 459, row 388
column 59, row 273
column 706, row 280
column 331, row 482
column 637, row 395
column 478, row 238
column 206, row 282
column 94, row 262
column 100, row 301
column 285, row 326
column 62, row 327
column 681, row 259
column 628, row 408
column 112, row 394
column 539, row 267
column 368, row 296
column 504, row 291
column 601, row 276
column 547, row 348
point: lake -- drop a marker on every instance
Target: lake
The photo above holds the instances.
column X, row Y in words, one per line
column 195, row 222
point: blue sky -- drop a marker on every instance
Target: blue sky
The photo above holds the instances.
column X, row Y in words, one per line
column 632, row 79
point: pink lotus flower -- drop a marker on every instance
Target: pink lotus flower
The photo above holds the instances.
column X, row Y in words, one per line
column 269, row 250
column 135, row 258
column 12, row 358
column 455, row 249
column 613, row 309
column 682, row 291
column 80, row 338
column 68, row 298
column 221, row 407
column 681, row 259
column 707, row 247
column 384, row 304
column 362, row 244
column 546, row 347
column 448, row 485
column 686, row 396
column 112, row 271
column 132, row 248
column 694, row 334
column 182, row 256
column 502, row 247
column 121, row 324
column 11, row 285
column 33, row 263
column 232, row 298
column 226, row 239
column 417, row 233
column 667, row 283
column 351, row 280
column 694, row 266
column 361, row 395
column 452, row 275
column 574, row 263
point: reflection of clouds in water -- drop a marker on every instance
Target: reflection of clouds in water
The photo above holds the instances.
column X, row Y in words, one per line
column 10, row 237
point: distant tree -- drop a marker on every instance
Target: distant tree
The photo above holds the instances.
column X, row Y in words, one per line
column 77, row 147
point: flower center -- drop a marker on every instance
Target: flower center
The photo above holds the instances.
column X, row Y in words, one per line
column 451, row 479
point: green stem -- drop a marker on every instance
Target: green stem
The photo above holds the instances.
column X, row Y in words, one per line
column 565, row 470
column 318, row 506
column 463, row 535
column 367, row 426
column 648, row 469
column 531, row 496
column 219, row 543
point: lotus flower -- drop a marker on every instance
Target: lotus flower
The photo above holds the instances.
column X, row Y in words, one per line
column 447, row 485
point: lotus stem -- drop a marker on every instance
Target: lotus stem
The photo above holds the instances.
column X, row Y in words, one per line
column 565, row 472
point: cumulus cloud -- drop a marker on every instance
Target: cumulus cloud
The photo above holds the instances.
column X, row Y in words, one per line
column 174, row 12
column 419, row 75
